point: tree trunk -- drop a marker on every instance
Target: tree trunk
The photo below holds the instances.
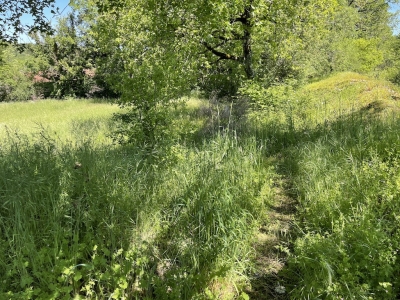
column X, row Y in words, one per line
column 247, row 51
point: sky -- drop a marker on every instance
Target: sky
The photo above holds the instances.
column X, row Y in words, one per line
column 396, row 26
column 63, row 8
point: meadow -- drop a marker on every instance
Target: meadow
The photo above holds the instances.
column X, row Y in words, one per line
column 63, row 119
column 83, row 218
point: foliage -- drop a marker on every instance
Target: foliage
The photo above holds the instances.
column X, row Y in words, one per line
column 357, row 38
column 254, row 47
column 272, row 97
column 160, row 51
column 359, row 55
column 373, row 17
column 68, row 57
column 15, row 75
column 393, row 65
column 11, row 11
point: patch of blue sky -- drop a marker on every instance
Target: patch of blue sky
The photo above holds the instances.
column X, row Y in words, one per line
column 62, row 8
column 395, row 9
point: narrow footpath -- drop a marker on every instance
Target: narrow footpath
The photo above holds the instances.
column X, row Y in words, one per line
column 272, row 247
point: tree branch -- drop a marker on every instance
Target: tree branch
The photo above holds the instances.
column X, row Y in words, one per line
column 222, row 55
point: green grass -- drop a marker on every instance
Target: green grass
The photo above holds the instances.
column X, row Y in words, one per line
column 337, row 145
column 83, row 218
column 343, row 162
column 61, row 117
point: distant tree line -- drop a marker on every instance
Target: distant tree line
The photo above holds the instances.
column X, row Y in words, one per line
column 58, row 62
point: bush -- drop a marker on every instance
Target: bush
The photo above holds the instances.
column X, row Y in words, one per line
column 15, row 82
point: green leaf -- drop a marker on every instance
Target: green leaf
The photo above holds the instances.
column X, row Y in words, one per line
column 123, row 284
column 77, row 276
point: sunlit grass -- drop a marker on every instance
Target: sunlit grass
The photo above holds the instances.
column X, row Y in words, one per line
column 343, row 162
column 109, row 221
column 341, row 95
column 58, row 117
column 82, row 218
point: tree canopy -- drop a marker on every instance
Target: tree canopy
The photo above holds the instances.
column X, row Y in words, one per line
column 245, row 33
column 160, row 50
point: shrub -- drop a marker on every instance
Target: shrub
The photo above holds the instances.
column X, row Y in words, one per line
column 15, row 82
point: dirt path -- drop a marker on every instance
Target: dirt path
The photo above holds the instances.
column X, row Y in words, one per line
column 272, row 247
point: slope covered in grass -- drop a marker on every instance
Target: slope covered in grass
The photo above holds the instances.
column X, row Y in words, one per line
column 344, row 164
column 343, row 94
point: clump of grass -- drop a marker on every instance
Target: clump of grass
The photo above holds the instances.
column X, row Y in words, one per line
column 348, row 194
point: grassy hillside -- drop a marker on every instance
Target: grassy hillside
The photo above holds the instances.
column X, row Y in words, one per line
column 210, row 216
column 343, row 163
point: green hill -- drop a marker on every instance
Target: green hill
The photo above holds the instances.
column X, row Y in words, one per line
column 344, row 167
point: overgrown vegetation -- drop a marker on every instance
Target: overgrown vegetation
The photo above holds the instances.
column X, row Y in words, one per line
column 344, row 168
column 231, row 113
column 16, row 69
column 104, row 221
column 89, row 219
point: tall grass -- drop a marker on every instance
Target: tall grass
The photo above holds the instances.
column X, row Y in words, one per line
column 82, row 218
column 344, row 169
column 86, row 219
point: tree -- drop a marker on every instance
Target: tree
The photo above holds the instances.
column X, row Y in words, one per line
column 358, row 38
column 373, row 17
column 15, row 81
column 68, row 56
column 11, row 11
column 159, row 49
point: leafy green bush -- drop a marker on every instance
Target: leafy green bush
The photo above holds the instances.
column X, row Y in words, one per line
column 15, row 83
column 265, row 96
column 358, row 55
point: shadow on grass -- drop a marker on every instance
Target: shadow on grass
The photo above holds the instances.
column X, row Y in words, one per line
column 357, row 136
column 74, row 207
column 354, row 134
column 157, row 229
